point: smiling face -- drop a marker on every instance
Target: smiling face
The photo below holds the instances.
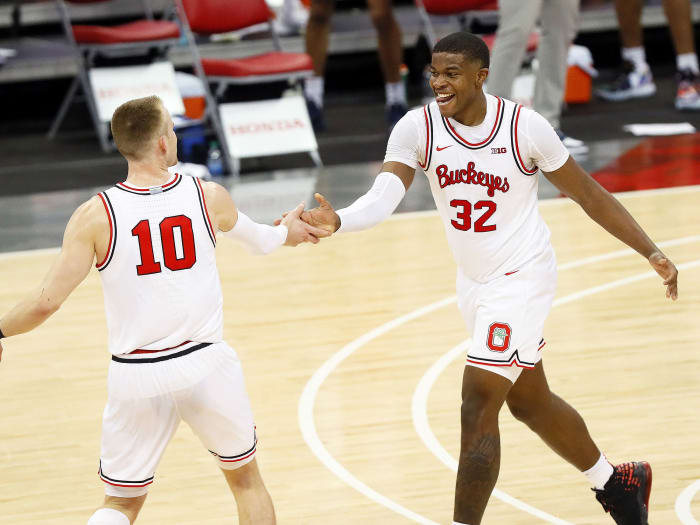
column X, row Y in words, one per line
column 456, row 82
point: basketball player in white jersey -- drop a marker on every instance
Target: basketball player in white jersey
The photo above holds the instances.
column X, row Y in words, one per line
column 154, row 237
column 481, row 155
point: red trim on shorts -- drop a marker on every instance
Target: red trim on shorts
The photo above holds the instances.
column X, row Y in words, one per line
column 142, row 351
column 510, row 363
column 493, row 130
column 238, row 459
column 127, row 486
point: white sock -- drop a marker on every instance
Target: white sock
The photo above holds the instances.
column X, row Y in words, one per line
column 687, row 61
column 395, row 93
column 458, row 523
column 105, row 516
column 313, row 89
column 600, row 473
column 637, row 56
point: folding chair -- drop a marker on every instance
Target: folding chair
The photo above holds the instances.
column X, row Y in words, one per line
column 90, row 40
column 467, row 11
column 207, row 17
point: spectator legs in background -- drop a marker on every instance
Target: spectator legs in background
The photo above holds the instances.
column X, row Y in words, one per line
column 390, row 57
column 517, row 20
column 678, row 14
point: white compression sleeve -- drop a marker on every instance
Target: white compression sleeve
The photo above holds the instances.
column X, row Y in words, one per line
column 374, row 206
column 260, row 239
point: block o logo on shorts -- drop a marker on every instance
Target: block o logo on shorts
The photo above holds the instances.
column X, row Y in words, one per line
column 498, row 339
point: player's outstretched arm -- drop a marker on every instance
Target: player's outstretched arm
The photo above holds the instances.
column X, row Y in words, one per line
column 69, row 270
column 260, row 239
column 370, row 209
column 607, row 211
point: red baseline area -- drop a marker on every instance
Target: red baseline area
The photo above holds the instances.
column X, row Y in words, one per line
column 659, row 162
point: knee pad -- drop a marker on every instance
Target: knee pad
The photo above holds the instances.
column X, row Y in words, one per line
column 105, row 516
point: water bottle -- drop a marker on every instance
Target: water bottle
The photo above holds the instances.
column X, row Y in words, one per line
column 215, row 163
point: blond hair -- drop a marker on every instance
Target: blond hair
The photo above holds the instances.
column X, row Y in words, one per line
column 136, row 123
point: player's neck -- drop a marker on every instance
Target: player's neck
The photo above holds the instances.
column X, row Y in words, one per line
column 475, row 113
column 147, row 173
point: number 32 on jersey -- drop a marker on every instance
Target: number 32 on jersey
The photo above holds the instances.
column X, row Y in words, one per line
column 464, row 215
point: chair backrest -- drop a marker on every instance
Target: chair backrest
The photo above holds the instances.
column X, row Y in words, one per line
column 453, row 7
column 220, row 16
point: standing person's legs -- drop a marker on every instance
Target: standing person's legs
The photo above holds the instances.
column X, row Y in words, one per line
column 390, row 57
column 516, row 21
column 483, row 394
column 559, row 23
column 388, row 38
column 317, row 30
column 679, row 20
column 629, row 14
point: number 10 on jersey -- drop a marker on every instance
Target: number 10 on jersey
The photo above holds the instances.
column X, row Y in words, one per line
column 149, row 265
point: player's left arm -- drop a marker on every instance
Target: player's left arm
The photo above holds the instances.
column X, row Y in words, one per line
column 70, row 269
column 607, row 211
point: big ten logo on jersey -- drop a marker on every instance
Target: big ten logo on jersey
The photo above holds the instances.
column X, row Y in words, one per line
column 497, row 151
column 498, row 339
column 178, row 251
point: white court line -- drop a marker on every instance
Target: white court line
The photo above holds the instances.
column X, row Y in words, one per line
column 308, row 396
column 683, row 504
column 419, row 405
column 433, row 213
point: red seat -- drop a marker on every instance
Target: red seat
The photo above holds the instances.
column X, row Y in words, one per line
column 139, row 31
column 453, row 7
column 272, row 63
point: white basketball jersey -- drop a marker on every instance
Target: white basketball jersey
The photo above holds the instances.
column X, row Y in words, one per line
column 485, row 192
column 161, row 284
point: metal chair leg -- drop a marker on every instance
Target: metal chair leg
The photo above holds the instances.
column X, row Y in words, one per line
column 63, row 110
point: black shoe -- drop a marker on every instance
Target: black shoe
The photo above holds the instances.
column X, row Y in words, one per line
column 316, row 116
column 394, row 112
column 626, row 494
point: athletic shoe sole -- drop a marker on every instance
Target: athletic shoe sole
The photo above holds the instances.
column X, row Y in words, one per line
column 616, row 96
column 688, row 106
column 647, row 471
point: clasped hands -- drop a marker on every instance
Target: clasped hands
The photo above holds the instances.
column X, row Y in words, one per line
column 310, row 225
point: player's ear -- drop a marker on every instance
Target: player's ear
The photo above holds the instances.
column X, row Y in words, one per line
column 481, row 77
column 162, row 143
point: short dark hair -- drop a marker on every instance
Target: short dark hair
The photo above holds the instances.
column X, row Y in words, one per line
column 464, row 43
column 136, row 123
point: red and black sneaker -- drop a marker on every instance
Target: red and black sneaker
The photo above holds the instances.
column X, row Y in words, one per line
column 626, row 494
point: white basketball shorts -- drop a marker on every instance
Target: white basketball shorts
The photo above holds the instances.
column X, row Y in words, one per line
column 136, row 430
column 506, row 315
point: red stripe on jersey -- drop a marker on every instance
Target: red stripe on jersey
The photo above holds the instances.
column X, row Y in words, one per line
column 111, row 230
column 206, row 211
column 427, row 139
column 493, row 130
column 517, row 149
column 148, row 190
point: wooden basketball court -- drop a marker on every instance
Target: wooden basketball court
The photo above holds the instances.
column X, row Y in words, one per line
column 627, row 358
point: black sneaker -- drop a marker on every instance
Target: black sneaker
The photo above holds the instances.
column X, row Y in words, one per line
column 316, row 116
column 394, row 112
column 626, row 494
